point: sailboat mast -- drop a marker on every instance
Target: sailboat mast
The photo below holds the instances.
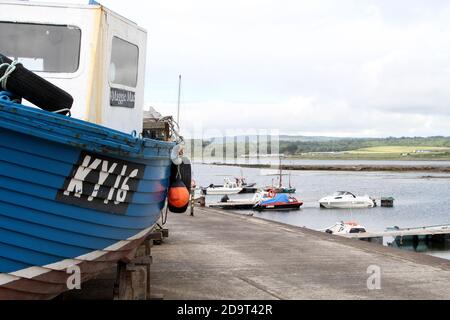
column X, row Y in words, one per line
column 281, row 174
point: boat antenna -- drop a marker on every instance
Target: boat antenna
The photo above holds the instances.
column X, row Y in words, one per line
column 179, row 99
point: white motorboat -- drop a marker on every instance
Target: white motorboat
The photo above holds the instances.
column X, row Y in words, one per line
column 228, row 188
column 342, row 228
column 346, row 200
column 239, row 204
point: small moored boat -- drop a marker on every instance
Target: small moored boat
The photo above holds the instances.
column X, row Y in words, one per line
column 227, row 188
column 238, row 204
column 346, row 200
column 279, row 188
column 342, row 228
column 279, row 202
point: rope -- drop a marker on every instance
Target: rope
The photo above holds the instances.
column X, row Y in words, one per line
column 63, row 110
column 164, row 216
column 175, row 127
column 179, row 172
column 10, row 68
column 8, row 96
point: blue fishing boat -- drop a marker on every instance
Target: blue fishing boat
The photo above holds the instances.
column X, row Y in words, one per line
column 71, row 193
column 75, row 192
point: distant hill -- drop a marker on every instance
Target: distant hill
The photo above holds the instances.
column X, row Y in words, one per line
column 308, row 138
column 241, row 139
column 294, row 145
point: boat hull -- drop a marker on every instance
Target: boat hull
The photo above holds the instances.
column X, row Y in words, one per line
column 71, row 194
column 281, row 190
column 346, row 205
column 247, row 190
column 222, row 191
column 279, row 207
column 234, row 205
column 47, row 282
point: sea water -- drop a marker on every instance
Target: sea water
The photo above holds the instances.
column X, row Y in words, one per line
column 421, row 198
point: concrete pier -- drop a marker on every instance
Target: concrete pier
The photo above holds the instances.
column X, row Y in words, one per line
column 221, row 255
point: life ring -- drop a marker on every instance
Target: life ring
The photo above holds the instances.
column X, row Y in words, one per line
column 272, row 194
column 30, row 86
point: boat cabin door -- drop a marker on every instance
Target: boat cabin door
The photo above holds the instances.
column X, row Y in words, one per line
column 125, row 74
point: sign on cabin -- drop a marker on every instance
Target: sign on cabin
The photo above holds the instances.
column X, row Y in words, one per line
column 122, row 98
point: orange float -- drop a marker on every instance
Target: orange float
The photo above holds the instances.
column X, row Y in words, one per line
column 178, row 197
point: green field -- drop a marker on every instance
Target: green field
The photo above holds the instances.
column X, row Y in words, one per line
column 382, row 153
column 390, row 148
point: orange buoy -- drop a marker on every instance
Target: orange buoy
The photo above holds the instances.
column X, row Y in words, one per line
column 178, row 197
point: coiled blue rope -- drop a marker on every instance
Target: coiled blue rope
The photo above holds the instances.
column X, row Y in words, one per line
column 8, row 96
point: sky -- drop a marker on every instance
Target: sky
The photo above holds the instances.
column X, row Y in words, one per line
column 361, row 68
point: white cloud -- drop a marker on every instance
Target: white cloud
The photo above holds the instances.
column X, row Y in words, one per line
column 303, row 115
column 350, row 67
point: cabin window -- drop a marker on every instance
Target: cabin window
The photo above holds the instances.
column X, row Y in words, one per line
column 124, row 63
column 42, row 47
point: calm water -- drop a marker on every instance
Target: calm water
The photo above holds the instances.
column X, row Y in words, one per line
column 421, row 199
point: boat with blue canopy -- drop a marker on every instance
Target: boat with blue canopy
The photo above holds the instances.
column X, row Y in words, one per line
column 279, row 201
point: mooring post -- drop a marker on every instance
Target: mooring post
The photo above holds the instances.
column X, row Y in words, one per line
column 192, row 202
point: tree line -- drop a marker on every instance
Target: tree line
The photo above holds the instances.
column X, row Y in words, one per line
column 349, row 144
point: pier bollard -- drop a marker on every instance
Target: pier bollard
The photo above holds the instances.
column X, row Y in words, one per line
column 192, row 202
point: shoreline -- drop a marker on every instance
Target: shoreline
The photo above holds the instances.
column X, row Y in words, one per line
column 357, row 168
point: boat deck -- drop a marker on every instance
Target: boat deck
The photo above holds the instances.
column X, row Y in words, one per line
column 222, row 255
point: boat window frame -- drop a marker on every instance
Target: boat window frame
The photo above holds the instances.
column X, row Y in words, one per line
column 118, row 85
column 57, row 74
